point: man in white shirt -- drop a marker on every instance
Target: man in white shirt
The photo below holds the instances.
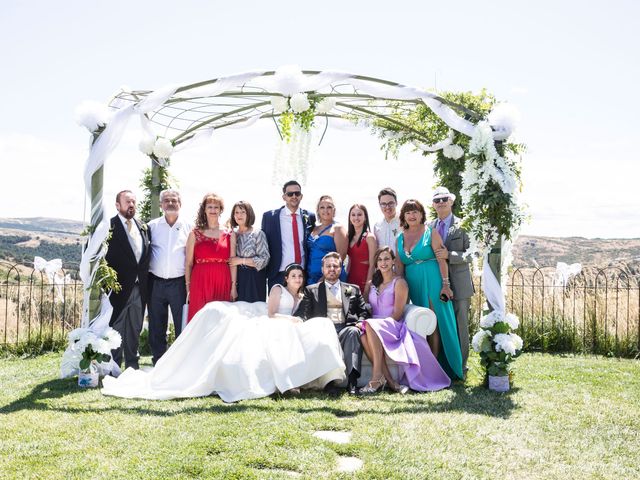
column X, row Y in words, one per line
column 169, row 235
column 387, row 229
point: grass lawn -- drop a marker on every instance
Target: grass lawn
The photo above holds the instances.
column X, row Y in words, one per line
column 568, row 417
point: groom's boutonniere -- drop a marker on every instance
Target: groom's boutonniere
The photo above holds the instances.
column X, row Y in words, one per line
column 395, row 232
column 348, row 291
column 305, row 218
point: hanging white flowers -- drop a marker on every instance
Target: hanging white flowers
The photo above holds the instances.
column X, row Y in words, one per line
column 300, row 102
column 485, row 169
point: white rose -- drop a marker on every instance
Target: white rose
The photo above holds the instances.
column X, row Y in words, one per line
column 490, row 319
column 326, row 105
column 102, row 346
column 146, row 145
column 299, row 103
column 517, row 341
column 163, row 148
column 88, row 339
column 480, row 341
column 512, row 321
column 453, row 152
column 279, row 104
column 113, row 338
column 504, row 343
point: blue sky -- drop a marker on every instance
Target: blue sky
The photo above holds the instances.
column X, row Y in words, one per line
column 570, row 67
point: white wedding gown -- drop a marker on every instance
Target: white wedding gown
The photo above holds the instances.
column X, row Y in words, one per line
column 237, row 352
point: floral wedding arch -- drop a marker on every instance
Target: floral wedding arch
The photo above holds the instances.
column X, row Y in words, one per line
column 178, row 116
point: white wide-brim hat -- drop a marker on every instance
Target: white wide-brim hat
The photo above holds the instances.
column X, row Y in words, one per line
column 443, row 192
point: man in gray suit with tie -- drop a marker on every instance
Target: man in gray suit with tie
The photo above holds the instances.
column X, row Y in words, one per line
column 456, row 242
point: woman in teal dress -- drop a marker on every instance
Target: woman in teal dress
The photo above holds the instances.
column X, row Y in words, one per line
column 326, row 237
column 428, row 280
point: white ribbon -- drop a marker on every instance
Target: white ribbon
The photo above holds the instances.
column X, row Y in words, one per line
column 492, row 290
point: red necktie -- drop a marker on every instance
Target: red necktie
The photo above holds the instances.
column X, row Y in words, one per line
column 296, row 239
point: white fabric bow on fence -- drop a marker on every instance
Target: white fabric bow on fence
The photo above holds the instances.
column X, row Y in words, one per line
column 50, row 268
column 564, row 273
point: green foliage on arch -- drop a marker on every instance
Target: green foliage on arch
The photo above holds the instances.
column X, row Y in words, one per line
column 448, row 172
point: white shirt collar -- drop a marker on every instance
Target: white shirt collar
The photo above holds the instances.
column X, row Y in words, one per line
column 289, row 212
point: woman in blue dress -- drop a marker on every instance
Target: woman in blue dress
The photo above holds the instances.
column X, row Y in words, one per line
column 428, row 280
column 326, row 237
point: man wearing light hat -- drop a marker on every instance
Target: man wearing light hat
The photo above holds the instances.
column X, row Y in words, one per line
column 456, row 242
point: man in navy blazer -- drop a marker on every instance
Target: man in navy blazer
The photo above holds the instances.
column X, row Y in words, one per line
column 128, row 254
column 286, row 243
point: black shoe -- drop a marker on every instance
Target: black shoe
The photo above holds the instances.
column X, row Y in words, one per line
column 352, row 389
column 352, row 383
column 331, row 390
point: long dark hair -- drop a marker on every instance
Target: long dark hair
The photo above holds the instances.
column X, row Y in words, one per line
column 376, row 279
column 290, row 268
column 365, row 227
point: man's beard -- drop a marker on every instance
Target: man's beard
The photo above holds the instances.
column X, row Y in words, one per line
column 129, row 213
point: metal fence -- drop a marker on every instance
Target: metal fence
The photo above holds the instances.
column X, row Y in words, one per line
column 597, row 311
column 37, row 308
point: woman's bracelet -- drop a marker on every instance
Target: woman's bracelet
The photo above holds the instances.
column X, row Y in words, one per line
column 446, row 280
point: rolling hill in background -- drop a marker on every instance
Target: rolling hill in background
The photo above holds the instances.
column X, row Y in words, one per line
column 23, row 238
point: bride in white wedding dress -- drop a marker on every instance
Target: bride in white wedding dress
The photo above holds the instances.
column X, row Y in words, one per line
column 241, row 351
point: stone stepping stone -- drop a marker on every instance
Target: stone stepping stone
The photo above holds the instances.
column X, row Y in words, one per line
column 349, row 464
column 332, row 436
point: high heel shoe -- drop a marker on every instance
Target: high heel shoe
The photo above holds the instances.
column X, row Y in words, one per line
column 370, row 389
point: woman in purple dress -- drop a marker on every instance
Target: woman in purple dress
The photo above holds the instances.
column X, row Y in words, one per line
column 386, row 333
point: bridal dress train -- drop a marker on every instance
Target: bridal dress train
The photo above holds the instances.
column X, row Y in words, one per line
column 237, row 352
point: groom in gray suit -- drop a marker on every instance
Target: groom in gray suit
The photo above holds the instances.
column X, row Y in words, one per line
column 344, row 305
column 456, row 242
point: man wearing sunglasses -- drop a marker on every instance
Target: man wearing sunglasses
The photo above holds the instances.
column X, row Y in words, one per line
column 287, row 229
column 456, row 242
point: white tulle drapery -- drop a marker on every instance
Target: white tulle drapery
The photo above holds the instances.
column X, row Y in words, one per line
column 100, row 150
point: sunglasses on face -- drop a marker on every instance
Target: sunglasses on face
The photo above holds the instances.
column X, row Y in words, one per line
column 293, row 194
column 441, row 200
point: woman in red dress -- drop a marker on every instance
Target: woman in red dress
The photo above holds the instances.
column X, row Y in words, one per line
column 362, row 248
column 209, row 247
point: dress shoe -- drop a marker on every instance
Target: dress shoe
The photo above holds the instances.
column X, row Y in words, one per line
column 352, row 389
column 331, row 389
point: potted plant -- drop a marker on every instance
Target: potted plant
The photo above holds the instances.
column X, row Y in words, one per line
column 497, row 346
column 88, row 351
